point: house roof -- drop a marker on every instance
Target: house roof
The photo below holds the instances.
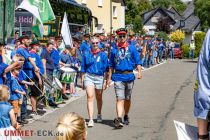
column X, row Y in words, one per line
column 189, row 10
column 154, row 11
column 191, row 21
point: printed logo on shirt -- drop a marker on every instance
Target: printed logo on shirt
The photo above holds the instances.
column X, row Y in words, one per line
column 98, row 59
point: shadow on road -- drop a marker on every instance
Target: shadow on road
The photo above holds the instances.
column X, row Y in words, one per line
column 191, row 61
column 104, row 122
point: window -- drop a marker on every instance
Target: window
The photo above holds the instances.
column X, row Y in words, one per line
column 114, row 11
column 84, row 2
column 100, row 3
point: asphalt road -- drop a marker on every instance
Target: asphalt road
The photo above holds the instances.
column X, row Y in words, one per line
column 164, row 94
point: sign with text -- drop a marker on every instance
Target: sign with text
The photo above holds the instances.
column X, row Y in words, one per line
column 25, row 18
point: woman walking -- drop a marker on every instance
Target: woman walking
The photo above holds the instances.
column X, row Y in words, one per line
column 93, row 68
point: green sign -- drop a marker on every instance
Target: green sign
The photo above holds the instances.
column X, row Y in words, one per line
column 51, row 29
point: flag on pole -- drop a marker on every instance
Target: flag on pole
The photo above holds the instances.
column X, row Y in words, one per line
column 65, row 32
column 42, row 12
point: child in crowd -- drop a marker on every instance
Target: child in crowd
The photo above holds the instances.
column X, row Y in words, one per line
column 65, row 61
column 22, row 80
column 75, row 64
column 72, row 126
column 8, row 120
column 16, row 92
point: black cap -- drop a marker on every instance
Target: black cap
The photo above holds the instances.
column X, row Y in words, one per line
column 121, row 31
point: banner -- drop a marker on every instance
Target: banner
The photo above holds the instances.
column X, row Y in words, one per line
column 51, row 29
column 9, row 18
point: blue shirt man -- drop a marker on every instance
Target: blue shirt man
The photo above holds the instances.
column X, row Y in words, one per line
column 56, row 57
column 123, row 61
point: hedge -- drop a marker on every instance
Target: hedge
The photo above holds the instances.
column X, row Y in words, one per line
column 199, row 37
column 185, row 49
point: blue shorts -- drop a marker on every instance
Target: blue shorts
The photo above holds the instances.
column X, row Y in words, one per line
column 93, row 80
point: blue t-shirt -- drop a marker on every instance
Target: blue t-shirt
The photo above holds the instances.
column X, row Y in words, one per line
column 124, row 60
column 22, row 77
column 65, row 58
column 27, row 66
column 132, row 42
column 5, row 120
column 12, row 54
column 84, row 47
column 49, row 61
column 74, row 61
column 56, row 57
column 94, row 64
column 14, row 85
column 38, row 61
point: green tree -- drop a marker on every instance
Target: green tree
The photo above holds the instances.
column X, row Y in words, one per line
column 134, row 11
column 202, row 10
column 178, row 4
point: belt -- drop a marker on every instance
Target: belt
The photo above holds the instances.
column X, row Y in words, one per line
column 123, row 72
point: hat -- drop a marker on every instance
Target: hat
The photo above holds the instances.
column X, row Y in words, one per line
column 23, row 37
column 34, row 43
column 121, row 31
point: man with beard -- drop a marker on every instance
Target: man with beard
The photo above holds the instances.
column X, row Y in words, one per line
column 23, row 51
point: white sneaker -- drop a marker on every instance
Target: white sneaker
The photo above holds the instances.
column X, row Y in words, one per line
column 99, row 118
column 90, row 123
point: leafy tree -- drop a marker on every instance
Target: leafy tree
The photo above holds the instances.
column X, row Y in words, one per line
column 163, row 24
column 202, row 10
column 199, row 37
column 177, row 36
column 133, row 13
column 178, row 4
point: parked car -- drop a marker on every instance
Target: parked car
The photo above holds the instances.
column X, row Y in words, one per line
column 178, row 52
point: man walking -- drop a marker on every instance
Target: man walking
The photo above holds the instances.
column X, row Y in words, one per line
column 191, row 49
column 123, row 60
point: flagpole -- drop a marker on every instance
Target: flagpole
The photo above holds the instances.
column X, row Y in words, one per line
column 4, row 20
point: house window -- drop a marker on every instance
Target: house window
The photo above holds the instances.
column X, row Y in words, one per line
column 114, row 11
column 84, row 2
column 100, row 3
column 182, row 23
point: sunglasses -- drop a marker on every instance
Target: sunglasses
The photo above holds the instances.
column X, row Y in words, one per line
column 95, row 43
column 122, row 36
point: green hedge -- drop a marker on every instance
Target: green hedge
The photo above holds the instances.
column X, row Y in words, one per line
column 185, row 49
column 199, row 37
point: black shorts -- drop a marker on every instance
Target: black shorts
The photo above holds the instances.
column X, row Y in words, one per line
column 35, row 92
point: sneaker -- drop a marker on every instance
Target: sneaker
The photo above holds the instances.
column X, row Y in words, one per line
column 99, row 118
column 74, row 94
column 22, row 122
column 33, row 113
column 65, row 97
column 126, row 120
column 118, row 123
column 91, row 123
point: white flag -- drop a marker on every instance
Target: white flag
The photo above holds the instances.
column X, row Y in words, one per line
column 65, row 32
column 33, row 9
column 185, row 131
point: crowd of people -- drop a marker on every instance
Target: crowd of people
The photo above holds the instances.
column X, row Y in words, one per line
column 35, row 72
